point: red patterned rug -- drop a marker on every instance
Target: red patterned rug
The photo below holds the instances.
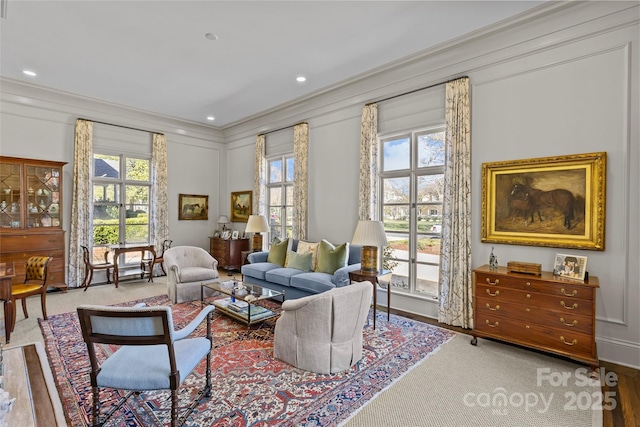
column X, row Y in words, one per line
column 250, row 387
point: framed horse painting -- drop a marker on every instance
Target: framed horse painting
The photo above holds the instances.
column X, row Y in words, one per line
column 549, row 201
column 241, row 206
column 192, row 206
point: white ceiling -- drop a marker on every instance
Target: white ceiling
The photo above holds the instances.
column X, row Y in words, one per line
column 153, row 55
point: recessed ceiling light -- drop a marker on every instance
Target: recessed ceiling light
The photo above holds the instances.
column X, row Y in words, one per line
column 301, row 79
column 29, row 73
column 211, row 118
column 211, row 36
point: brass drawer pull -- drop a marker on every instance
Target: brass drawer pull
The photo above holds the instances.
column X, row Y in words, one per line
column 574, row 323
column 494, row 325
column 574, row 342
column 572, row 294
column 528, row 283
column 493, row 283
column 528, row 295
column 575, row 305
column 493, row 295
column 493, row 309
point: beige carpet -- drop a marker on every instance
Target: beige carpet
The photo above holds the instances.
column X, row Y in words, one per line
column 453, row 387
column 461, row 386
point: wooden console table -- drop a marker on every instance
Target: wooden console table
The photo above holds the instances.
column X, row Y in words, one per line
column 375, row 278
column 122, row 249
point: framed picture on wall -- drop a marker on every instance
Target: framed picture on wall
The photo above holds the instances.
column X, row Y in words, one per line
column 193, row 207
column 241, row 206
column 550, row 201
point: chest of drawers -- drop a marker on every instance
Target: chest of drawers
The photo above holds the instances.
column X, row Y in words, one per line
column 228, row 252
column 546, row 312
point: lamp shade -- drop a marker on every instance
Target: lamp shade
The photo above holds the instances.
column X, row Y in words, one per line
column 369, row 233
column 223, row 219
column 257, row 224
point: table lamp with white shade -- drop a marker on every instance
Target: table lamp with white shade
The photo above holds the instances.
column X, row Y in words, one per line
column 370, row 235
column 257, row 224
column 224, row 220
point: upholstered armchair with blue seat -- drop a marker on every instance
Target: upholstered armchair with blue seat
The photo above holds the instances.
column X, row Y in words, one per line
column 188, row 267
column 152, row 355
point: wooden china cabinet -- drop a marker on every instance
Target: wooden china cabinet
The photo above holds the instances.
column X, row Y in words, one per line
column 31, row 216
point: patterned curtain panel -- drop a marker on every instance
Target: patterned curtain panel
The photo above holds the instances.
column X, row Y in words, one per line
column 80, row 233
column 259, row 177
column 368, row 163
column 300, row 179
column 456, row 287
column 159, row 203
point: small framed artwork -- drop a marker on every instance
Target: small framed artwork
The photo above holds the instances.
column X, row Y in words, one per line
column 241, row 206
column 216, row 233
column 193, row 207
column 235, row 234
column 570, row 266
column 226, row 234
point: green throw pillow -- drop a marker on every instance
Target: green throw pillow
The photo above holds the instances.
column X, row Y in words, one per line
column 278, row 252
column 331, row 258
column 299, row 261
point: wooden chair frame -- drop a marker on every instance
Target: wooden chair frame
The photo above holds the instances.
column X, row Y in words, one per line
column 90, row 266
column 25, row 290
column 91, row 338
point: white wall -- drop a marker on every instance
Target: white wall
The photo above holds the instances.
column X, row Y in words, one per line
column 563, row 80
column 39, row 123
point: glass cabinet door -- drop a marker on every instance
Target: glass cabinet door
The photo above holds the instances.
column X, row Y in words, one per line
column 43, row 196
column 10, row 187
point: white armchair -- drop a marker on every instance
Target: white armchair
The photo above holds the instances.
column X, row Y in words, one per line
column 187, row 268
column 323, row 333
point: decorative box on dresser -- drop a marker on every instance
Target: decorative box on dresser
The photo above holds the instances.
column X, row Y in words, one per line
column 31, row 216
column 545, row 312
column 228, row 252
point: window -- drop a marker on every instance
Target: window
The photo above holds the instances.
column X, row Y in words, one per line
column 280, row 195
column 121, row 189
column 412, row 184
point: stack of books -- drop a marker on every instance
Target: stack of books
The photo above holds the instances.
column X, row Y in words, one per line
column 242, row 308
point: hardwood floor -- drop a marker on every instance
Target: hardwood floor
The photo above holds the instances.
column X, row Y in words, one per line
column 625, row 393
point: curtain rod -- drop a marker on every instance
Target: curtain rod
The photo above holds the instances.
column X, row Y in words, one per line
column 282, row 128
column 121, row 126
column 417, row 90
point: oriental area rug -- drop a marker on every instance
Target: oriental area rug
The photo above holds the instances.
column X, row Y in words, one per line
column 250, row 387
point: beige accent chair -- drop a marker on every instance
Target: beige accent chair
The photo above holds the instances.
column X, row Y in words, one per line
column 323, row 333
column 187, row 268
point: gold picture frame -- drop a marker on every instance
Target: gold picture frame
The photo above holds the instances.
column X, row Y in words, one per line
column 549, row 201
column 193, row 207
column 241, row 206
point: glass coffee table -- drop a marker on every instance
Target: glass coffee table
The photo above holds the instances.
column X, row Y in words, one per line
column 242, row 308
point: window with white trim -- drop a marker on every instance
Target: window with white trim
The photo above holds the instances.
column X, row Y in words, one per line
column 411, row 188
column 280, row 195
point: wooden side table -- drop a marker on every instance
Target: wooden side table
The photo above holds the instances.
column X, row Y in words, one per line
column 375, row 278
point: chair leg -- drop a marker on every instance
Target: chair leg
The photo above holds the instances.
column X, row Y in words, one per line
column 108, row 276
column 86, row 275
column 96, row 406
column 24, row 308
column 43, row 302
column 162, row 267
column 174, row 408
column 89, row 280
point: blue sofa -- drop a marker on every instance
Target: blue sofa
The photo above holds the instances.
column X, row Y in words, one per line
column 297, row 283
